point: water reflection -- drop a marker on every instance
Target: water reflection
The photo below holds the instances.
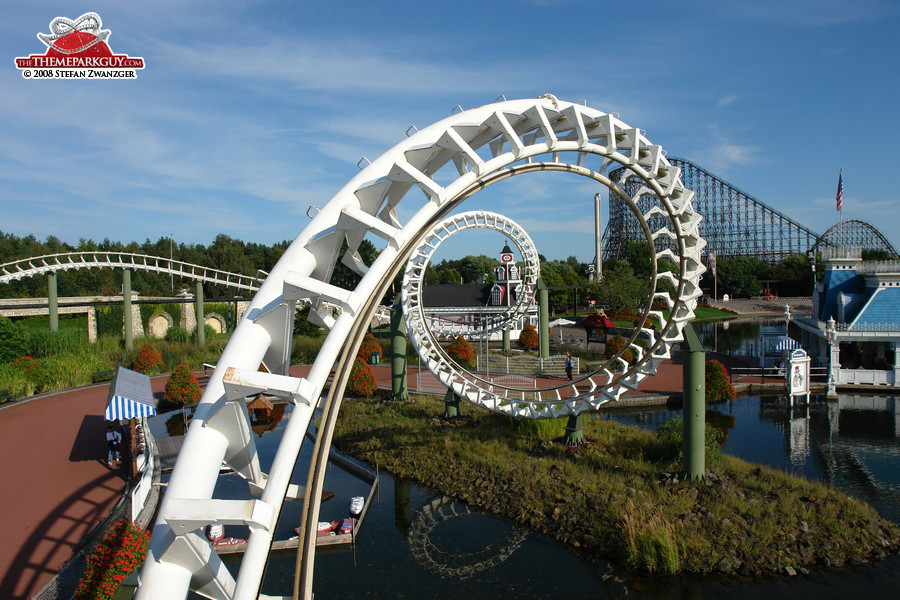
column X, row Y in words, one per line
column 410, row 548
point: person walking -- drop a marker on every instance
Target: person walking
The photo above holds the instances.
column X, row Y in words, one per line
column 569, row 365
column 113, row 441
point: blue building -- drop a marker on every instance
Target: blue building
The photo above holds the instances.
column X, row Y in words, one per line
column 854, row 327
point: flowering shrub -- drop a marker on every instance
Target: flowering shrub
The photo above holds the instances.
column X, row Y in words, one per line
column 148, row 359
column 121, row 551
column 614, row 344
column 362, row 380
column 461, row 351
column 182, row 387
column 718, row 383
column 369, row 347
column 528, row 338
column 32, row 369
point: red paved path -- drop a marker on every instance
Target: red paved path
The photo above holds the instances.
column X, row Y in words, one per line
column 57, row 487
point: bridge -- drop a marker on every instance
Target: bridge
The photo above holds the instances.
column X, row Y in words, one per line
column 734, row 223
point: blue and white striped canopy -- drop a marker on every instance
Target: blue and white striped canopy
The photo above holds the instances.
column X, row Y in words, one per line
column 130, row 395
column 120, row 407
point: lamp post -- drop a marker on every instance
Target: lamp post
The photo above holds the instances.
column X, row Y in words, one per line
column 171, row 257
column 830, row 337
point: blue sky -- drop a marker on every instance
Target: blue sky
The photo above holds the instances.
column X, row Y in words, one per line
column 248, row 112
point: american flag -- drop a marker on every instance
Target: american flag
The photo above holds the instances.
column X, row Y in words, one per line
column 840, row 192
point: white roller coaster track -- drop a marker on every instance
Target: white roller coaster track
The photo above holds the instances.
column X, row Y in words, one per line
column 478, row 148
column 51, row 263
column 414, row 277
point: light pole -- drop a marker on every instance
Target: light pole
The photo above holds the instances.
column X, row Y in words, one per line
column 830, row 337
column 171, row 258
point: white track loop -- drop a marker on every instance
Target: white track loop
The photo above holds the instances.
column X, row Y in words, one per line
column 468, row 150
column 414, row 276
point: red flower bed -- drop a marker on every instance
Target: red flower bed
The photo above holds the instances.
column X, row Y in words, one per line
column 614, row 344
column 148, row 359
column 183, row 387
column 34, row 373
column 121, row 551
column 362, row 380
column 461, row 351
column 528, row 338
column 369, row 347
column 718, row 383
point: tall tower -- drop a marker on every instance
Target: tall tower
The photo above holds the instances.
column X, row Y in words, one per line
column 598, row 228
column 506, row 279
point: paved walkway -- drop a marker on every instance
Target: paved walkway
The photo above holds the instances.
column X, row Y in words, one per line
column 57, row 486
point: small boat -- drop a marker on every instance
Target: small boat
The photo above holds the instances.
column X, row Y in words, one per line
column 325, row 528
column 356, row 505
column 228, row 541
column 347, row 526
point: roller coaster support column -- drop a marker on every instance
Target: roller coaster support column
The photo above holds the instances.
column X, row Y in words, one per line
column 543, row 319
column 575, row 430
column 506, row 340
column 451, row 405
column 694, row 372
column 201, row 319
column 126, row 309
column 399, row 389
column 53, row 302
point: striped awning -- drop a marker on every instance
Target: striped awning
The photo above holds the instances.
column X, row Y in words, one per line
column 120, row 407
column 130, row 395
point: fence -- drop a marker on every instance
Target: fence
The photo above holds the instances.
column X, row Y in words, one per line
column 524, row 364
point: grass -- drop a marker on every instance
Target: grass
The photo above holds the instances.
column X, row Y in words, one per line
column 613, row 498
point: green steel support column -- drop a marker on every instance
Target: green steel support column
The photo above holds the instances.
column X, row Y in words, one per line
column 126, row 309
column 506, row 340
column 694, row 372
column 399, row 389
column 543, row 319
column 575, row 430
column 201, row 319
column 451, row 405
column 53, row 301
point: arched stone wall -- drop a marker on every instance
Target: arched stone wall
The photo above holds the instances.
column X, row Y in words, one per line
column 216, row 321
column 159, row 324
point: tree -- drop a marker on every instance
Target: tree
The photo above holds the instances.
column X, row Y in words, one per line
column 461, row 351
column 620, row 288
column 182, row 387
column 528, row 338
column 13, row 341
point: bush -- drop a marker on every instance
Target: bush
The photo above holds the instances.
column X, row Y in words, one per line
column 461, row 352
column 13, row 341
column 614, row 344
column 121, row 551
column 528, row 338
column 182, row 387
column 718, row 383
column 369, row 347
column 148, row 359
column 177, row 334
column 362, row 380
column 32, row 370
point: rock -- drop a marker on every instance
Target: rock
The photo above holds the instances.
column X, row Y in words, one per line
column 724, row 566
column 790, row 571
column 804, row 526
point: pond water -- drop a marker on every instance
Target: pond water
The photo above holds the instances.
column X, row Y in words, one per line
column 415, row 544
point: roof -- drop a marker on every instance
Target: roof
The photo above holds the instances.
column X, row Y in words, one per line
column 596, row 322
column 448, row 294
column 130, row 395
